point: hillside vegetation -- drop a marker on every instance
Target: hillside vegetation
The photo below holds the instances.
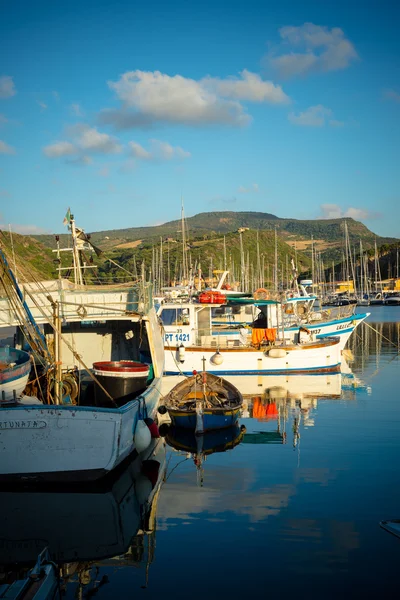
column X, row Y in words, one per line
column 32, row 258
column 131, row 247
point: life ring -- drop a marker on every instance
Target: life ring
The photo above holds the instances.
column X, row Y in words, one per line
column 301, row 311
column 261, row 294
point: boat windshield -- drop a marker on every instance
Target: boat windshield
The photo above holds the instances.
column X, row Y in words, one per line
column 175, row 316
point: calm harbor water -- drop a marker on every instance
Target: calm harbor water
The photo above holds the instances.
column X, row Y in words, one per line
column 292, row 506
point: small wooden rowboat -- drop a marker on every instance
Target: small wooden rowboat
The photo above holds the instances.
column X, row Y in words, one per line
column 203, row 402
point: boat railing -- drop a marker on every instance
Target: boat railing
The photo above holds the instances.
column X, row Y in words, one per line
column 331, row 314
column 84, row 303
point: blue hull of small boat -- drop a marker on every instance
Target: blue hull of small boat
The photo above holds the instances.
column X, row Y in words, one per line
column 210, row 420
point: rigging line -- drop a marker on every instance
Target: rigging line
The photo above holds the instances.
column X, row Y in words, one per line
column 382, row 336
column 119, row 266
column 379, row 369
column 75, row 354
column 177, row 465
column 26, row 327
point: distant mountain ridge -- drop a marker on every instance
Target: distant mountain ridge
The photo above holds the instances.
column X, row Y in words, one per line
column 229, row 221
column 328, row 232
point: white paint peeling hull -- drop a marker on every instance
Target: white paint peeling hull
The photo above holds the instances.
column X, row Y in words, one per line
column 68, row 443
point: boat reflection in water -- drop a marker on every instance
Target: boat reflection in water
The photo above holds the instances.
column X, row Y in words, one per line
column 80, row 527
column 199, row 447
column 269, row 402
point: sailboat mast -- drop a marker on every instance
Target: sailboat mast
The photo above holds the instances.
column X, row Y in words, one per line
column 276, row 262
column 184, row 249
column 75, row 253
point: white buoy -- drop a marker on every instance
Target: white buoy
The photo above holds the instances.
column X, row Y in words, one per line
column 142, row 437
column 181, row 353
column 217, row 358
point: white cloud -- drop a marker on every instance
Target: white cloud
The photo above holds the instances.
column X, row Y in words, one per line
column 76, row 109
column 92, row 140
column 154, row 97
column 159, row 151
column 321, row 50
column 312, row 117
column 56, row 95
column 60, row 149
column 391, row 95
column 85, row 140
column 334, row 211
column 6, row 148
column 42, row 105
column 249, row 87
column 358, row 214
column 139, row 152
column 7, row 87
column 3, row 119
column 164, row 151
column 253, row 188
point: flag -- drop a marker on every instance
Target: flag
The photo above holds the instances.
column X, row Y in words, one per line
column 67, row 218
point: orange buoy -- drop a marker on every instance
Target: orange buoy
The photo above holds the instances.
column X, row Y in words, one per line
column 261, row 294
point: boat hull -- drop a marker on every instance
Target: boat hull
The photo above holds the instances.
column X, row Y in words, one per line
column 211, row 420
column 69, row 443
column 311, row 358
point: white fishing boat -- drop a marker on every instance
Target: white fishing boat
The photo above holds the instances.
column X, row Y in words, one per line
column 191, row 343
column 392, row 299
column 73, row 433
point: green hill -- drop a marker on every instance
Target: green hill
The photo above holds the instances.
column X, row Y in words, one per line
column 209, row 254
column 327, row 234
column 32, row 258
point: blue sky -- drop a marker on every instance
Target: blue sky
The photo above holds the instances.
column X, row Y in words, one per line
column 116, row 109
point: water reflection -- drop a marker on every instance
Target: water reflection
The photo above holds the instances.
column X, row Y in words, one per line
column 199, row 447
column 82, row 526
column 302, row 487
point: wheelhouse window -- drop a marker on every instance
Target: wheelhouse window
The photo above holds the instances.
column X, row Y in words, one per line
column 175, row 316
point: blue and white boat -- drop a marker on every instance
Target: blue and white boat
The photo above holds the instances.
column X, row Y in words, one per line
column 190, row 338
column 203, row 402
column 15, row 366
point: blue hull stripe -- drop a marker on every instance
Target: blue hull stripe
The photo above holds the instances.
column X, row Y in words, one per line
column 323, row 324
column 335, row 334
column 263, row 371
